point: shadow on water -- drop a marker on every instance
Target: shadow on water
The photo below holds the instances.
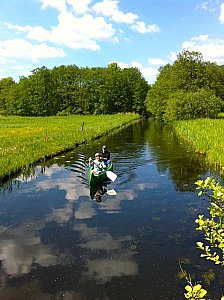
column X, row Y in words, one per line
column 57, row 243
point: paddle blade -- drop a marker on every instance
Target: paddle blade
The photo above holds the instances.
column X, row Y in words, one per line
column 111, row 192
column 111, row 175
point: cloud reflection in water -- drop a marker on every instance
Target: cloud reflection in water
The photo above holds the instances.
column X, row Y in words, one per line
column 114, row 258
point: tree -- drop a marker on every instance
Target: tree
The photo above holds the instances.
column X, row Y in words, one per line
column 137, row 89
column 159, row 93
column 189, row 74
column 41, row 96
column 20, row 104
column 72, row 90
column 216, row 79
column 6, row 94
column 192, row 105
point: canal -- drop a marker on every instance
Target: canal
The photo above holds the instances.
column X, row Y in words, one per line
column 58, row 243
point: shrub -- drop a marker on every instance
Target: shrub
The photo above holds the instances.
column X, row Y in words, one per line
column 192, row 105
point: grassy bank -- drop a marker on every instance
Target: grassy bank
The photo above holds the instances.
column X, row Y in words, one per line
column 25, row 140
column 206, row 137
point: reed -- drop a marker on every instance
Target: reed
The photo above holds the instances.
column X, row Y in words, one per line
column 206, row 137
column 26, row 140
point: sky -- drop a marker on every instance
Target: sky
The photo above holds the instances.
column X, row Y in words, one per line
column 146, row 34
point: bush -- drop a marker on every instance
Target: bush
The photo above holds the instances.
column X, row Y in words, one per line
column 192, row 105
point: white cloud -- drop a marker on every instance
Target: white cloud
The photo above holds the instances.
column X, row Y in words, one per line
column 109, row 8
column 173, row 56
column 203, row 6
column 136, row 64
column 201, row 37
column 43, row 51
column 120, row 64
column 81, row 25
column 211, row 49
column 3, row 60
column 82, row 32
column 209, row 5
column 141, row 27
column 221, row 16
column 58, row 4
column 80, row 6
column 37, row 33
column 156, row 61
column 149, row 73
column 71, row 31
column 19, row 48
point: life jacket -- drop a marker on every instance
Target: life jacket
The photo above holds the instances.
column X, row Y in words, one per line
column 97, row 165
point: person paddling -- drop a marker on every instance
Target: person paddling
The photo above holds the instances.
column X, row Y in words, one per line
column 105, row 156
column 98, row 165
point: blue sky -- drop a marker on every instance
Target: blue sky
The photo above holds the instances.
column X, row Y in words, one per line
column 142, row 33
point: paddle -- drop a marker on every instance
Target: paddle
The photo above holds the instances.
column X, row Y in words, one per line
column 111, row 192
column 111, row 175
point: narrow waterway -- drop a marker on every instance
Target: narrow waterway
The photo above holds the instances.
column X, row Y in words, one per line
column 58, row 243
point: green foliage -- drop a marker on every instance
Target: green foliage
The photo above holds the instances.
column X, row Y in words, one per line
column 7, row 86
column 215, row 75
column 212, row 227
column 213, row 230
column 159, row 93
column 187, row 89
column 189, row 72
column 68, row 90
column 195, row 292
column 192, row 105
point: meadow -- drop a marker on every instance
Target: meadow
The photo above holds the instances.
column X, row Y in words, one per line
column 26, row 140
column 206, row 137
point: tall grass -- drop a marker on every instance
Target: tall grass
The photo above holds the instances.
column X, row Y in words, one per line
column 25, row 140
column 206, row 137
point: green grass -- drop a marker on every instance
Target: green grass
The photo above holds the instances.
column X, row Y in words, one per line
column 221, row 115
column 206, row 137
column 26, row 140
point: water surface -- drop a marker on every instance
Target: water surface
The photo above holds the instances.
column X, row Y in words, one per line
column 57, row 243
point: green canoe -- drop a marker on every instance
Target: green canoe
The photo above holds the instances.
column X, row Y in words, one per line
column 94, row 180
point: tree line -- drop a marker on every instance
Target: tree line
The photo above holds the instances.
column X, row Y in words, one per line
column 69, row 89
column 189, row 89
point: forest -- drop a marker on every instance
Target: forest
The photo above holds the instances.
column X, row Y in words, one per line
column 190, row 88
column 66, row 90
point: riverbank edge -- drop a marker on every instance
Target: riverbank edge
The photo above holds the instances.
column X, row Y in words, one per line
column 204, row 136
column 16, row 171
